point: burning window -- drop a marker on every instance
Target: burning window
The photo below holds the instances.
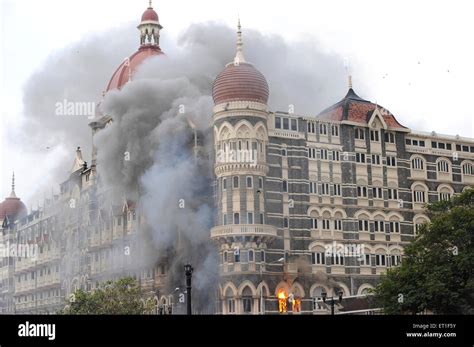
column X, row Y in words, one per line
column 282, row 301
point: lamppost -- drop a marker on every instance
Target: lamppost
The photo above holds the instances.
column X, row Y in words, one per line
column 324, row 296
column 188, row 270
column 262, row 308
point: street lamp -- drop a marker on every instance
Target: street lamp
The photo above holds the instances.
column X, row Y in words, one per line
column 324, row 296
column 188, row 270
column 262, row 309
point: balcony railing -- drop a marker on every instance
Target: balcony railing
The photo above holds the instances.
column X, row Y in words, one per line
column 243, row 230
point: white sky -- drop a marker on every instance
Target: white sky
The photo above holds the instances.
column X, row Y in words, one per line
column 416, row 56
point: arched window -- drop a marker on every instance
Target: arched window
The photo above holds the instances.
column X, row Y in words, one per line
column 443, row 166
column 445, row 193
column 316, row 296
column 468, row 169
column 247, row 300
column 230, row 301
column 417, row 163
column 419, row 194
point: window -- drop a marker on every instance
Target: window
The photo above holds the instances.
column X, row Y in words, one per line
column 294, row 125
column 318, row 258
column 392, row 194
column 391, row 161
column 224, row 219
column 286, row 124
column 247, row 304
column 311, row 128
column 277, row 122
column 338, row 224
column 394, row 227
column 312, row 187
column 285, row 186
column 395, row 260
column 419, row 196
column 324, row 154
column 379, row 225
column 251, row 256
column 249, row 182
column 335, row 155
column 262, row 218
column 362, row 192
column 468, row 169
column 380, row 259
column 375, row 159
column 390, row 137
column 260, row 183
column 314, row 223
column 444, row 196
column 231, row 305
column 360, row 157
column 359, row 134
column 443, row 166
column 418, row 227
column 283, row 152
column 323, row 129
column 249, row 217
column 237, row 255
column 365, row 260
column 326, row 224
column 337, row 259
column 374, row 135
column 285, row 222
column 377, row 193
column 236, row 218
column 363, row 225
column 337, row 189
column 417, row 164
column 236, row 181
column 334, row 130
column 312, row 153
column 325, row 188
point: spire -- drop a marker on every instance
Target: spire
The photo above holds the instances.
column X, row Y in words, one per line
column 12, row 194
column 239, row 57
column 350, row 81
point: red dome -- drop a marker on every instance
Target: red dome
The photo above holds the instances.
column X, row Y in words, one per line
column 150, row 14
column 242, row 82
column 127, row 69
column 13, row 208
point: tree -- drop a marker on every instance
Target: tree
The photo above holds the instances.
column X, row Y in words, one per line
column 121, row 297
column 436, row 273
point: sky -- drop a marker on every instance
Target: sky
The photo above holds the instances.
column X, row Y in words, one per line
column 415, row 58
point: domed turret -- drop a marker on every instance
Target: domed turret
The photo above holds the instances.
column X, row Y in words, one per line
column 240, row 80
column 12, row 207
column 149, row 46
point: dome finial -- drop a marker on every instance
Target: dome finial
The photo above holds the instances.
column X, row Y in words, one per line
column 13, row 195
column 349, row 81
column 239, row 57
column 150, row 5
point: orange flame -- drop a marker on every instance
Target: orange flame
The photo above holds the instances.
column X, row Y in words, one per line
column 282, row 301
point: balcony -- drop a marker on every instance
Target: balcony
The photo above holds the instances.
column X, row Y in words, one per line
column 247, row 230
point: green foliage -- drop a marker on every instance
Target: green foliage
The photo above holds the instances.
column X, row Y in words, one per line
column 120, row 297
column 436, row 273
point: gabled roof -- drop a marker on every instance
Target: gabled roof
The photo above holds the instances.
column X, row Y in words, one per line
column 353, row 108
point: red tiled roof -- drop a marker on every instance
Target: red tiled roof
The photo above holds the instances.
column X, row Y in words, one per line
column 121, row 75
column 242, row 82
column 355, row 109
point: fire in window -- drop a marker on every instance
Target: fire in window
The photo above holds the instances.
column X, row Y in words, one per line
column 282, row 301
column 295, row 302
